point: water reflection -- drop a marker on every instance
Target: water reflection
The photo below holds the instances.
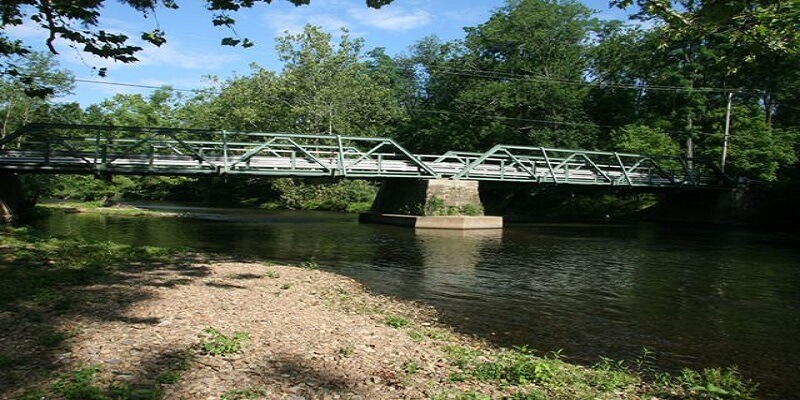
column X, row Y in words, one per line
column 451, row 262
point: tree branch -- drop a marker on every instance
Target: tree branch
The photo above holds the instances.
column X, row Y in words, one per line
column 47, row 9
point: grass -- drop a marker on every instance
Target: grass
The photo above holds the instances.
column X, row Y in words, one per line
column 55, row 337
column 544, row 377
column 243, row 394
column 215, row 343
column 38, row 269
column 79, row 385
column 174, row 372
column 348, row 350
column 410, row 367
column 96, row 207
column 395, row 321
column 419, row 335
column 272, row 274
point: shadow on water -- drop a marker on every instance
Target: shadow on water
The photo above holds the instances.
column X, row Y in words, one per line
column 698, row 297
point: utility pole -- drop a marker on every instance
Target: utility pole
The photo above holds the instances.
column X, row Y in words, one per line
column 727, row 132
column 330, row 121
column 689, row 143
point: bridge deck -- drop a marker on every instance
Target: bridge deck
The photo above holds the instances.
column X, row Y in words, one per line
column 81, row 149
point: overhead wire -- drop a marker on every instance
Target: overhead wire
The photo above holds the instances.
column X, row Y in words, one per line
column 420, row 110
column 476, row 73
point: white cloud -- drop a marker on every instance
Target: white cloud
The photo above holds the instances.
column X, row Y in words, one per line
column 174, row 54
column 294, row 21
column 26, row 31
column 466, row 16
column 393, row 19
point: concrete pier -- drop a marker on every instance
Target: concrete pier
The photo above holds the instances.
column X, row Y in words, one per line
column 430, row 204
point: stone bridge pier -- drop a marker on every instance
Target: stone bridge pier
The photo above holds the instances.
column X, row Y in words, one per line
column 430, row 204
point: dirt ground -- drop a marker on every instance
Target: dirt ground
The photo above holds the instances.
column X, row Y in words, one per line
column 310, row 335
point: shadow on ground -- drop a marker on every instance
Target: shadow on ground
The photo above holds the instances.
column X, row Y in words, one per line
column 47, row 284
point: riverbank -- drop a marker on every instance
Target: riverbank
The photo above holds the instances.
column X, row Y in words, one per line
column 99, row 320
column 98, row 207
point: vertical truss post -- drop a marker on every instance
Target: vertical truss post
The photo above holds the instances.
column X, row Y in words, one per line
column 340, row 156
column 549, row 166
column 224, row 151
column 96, row 147
column 622, row 167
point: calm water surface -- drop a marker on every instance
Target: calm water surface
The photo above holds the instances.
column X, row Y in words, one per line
column 698, row 297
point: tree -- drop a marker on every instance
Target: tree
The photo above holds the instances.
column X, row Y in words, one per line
column 755, row 150
column 753, row 27
column 329, row 89
column 641, row 139
column 155, row 110
column 77, row 22
column 757, row 43
column 17, row 105
column 516, row 79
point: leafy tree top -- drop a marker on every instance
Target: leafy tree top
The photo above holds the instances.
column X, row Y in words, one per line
column 78, row 23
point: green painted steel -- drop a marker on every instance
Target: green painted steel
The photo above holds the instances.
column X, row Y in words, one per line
column 104, row 150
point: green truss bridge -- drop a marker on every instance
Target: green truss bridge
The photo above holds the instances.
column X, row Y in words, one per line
column 109, row 150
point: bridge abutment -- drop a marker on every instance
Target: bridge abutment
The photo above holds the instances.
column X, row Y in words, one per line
column 430, row 204
column 12, row 200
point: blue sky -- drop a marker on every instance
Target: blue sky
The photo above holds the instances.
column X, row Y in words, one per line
column 193, row 50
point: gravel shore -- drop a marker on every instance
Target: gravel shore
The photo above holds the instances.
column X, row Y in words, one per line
column 310, row 335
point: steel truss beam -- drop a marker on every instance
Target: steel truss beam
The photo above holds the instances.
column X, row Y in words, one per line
column 581, row 167
column 102, row 150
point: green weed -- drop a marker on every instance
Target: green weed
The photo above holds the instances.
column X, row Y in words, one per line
column 716, row 383
column 347, row 350
column 460, row 356
column 395, row 321
column 468, row 395
column 79, row 385
column 416, row 335
column 175, row 371
column 243, row 394
column 609, row 375
column 272, row 274
column 410, row 367
column 128, row 392
column 214, row 343
column 53, row 338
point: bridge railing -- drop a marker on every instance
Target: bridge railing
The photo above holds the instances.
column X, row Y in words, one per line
column 580, row 167
column 133, row 150
column 163, row 151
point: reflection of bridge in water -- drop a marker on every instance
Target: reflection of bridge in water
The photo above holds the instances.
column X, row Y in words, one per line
column 109, row 150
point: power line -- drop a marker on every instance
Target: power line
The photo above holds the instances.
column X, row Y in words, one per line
column 136, row 85
column 111, row 83
column 501, row 117
column 475, row 73
column 441, row 112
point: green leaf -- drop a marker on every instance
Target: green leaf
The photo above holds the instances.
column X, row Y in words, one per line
column 229, row 41
column 155, row 37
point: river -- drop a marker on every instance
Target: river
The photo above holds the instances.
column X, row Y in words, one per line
column 696, row 296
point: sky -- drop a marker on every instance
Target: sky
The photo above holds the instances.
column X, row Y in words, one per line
column 193, row 51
